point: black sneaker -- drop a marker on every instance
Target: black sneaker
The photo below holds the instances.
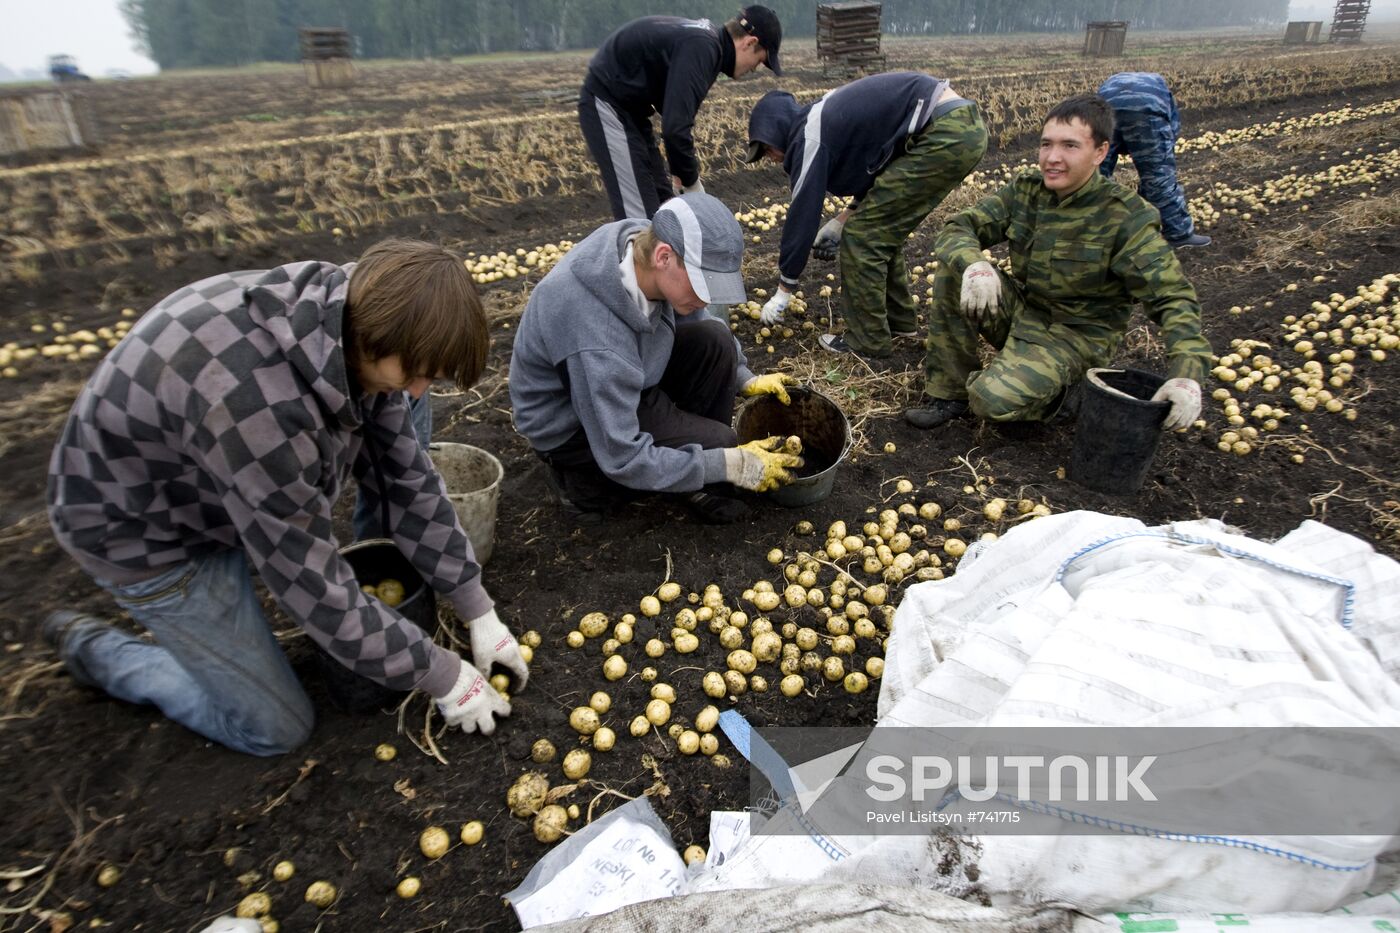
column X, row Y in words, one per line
column 714, row 509
column 938, row 411
column 836, row 343
column 1194, row 239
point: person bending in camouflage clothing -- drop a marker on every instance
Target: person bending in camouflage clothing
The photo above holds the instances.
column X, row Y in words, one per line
column 896, row 144
column 211, row 444
column 1145, row 126
column 1083, row 250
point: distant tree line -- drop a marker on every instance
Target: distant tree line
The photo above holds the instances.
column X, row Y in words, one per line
column 194, row 33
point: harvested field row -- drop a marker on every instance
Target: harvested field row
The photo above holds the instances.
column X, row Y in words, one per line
column 1303, row 268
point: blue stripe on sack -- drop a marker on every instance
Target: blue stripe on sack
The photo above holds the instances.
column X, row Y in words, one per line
column 737, row 729
column 1231, row 842
column 1176, row 537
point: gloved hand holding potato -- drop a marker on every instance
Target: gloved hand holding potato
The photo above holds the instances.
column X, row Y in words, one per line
column 761, row 465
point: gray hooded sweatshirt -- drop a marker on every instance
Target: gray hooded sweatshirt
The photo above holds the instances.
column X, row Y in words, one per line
column 584, row 353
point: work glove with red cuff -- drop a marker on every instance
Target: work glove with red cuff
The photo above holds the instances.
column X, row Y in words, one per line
column 981, row 292
column 472, row 703
column 492, row 643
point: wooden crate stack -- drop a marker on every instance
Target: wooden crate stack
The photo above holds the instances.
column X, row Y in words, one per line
column 325, row 55
column 848, row 37
column 1105, row 38
column 1349, row 20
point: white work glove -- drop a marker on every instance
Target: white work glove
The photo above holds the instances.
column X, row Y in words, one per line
column 228, row 924
column 828, row 241
column 696, row 188
column 773, row 310
column 981, row 290
column 1185, row 397
column 492, row 643
column 472, row 703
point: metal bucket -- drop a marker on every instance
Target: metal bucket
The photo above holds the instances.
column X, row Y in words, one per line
column 373, row 561
column 473, row 480
column 825, row 433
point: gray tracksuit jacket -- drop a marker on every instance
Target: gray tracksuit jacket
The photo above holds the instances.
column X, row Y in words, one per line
column 584, row 353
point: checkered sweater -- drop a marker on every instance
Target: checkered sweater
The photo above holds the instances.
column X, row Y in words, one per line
column 225, row 419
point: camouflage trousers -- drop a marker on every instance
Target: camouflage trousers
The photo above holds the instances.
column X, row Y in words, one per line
column 875, row 296
column 1039, row 357
column 1148, row 138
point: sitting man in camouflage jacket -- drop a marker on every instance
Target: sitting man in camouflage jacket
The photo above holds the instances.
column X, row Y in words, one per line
column 1083, row 251
column 211, row 444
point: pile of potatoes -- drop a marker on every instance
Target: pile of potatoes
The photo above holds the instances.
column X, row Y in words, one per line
column 826, row 619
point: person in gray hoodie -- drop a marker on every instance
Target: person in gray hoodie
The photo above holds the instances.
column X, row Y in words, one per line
column 211, row 443
column 621, row 381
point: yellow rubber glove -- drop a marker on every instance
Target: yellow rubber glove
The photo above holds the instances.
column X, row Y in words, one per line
column 760, row 465
column 771, row 384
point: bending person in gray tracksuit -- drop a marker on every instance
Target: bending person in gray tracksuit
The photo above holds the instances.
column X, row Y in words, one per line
column 623, row 384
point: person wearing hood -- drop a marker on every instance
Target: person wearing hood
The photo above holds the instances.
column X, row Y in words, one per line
column 621, row 381
column 1146, row 124
column 896, row 144
column 211, row 444
column 665, row 65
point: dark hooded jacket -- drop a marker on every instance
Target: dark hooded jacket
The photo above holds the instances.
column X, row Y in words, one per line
column 663, row 64
column 838, row 145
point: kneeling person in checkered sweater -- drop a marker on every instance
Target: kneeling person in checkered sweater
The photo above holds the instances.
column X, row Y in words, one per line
column 211, row 444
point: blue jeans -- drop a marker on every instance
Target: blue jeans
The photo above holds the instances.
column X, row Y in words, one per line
column 366, row 521
column 215, row 668
column 1149, row 139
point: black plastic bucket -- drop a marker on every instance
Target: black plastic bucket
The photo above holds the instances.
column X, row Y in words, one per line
column 375, row 560
column 1118, row 430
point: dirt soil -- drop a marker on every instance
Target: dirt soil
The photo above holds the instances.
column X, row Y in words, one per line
column 90, row 782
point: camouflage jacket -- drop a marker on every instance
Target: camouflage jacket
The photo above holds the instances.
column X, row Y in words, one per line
column 1085, row 260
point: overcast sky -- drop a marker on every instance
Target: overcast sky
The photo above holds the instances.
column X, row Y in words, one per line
column 95, row 33
column 92, row 31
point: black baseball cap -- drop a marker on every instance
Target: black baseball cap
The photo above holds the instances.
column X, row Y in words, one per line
column 762, row 23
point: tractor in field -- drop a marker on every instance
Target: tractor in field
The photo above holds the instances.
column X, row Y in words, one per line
column 64, row 68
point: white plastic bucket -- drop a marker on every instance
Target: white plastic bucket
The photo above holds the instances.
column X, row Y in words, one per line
column 473, row 480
